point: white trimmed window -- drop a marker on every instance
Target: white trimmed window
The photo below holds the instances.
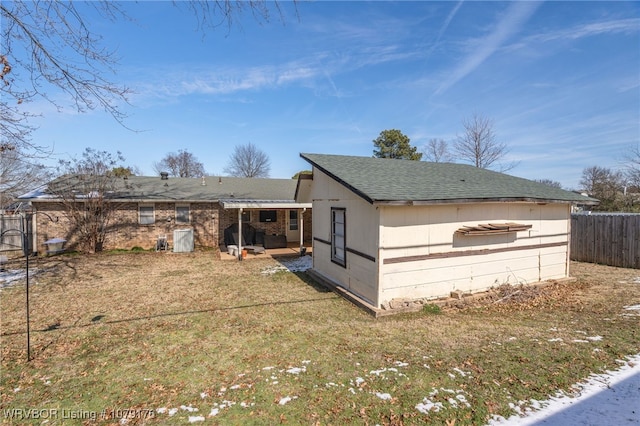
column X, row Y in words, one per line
column 183, row 213
column 246, row 216
column 338, row 236
column 146, row 214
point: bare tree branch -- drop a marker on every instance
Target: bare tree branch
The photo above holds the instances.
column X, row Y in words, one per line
column 18, row 174
column 248, row 161
column 479, row 146
column 437, row 151
column 48, row 47
column 84, row 188
column 182, row 164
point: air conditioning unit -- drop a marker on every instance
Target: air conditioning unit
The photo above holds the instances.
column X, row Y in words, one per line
column 183, row 240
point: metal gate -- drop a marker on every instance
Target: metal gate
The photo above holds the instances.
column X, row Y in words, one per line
column 12, row 228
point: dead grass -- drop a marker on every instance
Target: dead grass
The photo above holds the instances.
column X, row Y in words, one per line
column 160, row 330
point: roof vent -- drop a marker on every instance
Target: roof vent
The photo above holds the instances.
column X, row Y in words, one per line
column 204, row 183
column 164, row 175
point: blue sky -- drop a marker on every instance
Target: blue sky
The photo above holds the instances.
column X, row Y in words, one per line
column 560, row 80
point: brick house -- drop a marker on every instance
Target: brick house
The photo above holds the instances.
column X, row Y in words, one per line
column 149, row 207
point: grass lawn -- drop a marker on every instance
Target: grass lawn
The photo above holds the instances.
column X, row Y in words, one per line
column 164, row 338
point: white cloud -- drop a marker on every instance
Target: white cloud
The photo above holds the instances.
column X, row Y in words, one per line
column 627, row 26
column 517, row 14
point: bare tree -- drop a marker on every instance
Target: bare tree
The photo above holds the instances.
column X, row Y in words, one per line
column 437, row 151
column 549, row 182
column 479, row 146
column 248, row 161
column 18, row 175
column 182, row 164
column 605, row 185
column 85, row 189
column 632, row 165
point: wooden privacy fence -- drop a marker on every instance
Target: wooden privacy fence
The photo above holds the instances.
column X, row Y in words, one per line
column 606, row 238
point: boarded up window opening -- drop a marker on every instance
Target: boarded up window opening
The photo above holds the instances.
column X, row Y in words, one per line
column 492, row 228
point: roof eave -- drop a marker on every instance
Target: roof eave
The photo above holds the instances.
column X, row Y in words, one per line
column 340, row 181
column 479, row 200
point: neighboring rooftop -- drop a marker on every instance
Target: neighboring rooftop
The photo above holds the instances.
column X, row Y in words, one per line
column 210, row 188
column 392, row 181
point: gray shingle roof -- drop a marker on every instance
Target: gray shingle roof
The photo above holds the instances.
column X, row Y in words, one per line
column 144, row 188
column 381, row 180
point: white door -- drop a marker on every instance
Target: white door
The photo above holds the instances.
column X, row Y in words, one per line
column 293, row 225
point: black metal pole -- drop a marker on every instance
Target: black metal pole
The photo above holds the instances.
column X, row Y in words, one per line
column 26, row 255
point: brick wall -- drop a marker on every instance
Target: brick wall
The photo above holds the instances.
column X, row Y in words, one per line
column 208, row 221
column 124, row 230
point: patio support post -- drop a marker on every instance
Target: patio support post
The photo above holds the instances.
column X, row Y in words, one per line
column 240, row 233
column 301, row 227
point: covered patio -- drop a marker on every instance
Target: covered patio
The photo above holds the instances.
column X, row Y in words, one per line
column 265, row 228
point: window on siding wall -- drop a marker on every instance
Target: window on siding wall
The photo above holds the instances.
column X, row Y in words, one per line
column 338, row 236
column 182, row 214
column 146, row 215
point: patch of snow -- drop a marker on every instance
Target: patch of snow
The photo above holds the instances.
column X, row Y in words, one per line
column 226, row 403
column 193, row 419
column 383, row 396
column 11, row 277
column 463, row 399
column 427, row 405
column 631, row 308
column 214, row 412
column 286, row 399
column 580, row 341
column 297, row 264
column 296, row 370
column 188, row 408
column 557, row 339
column 594, row 338
column 460, row 372
column 173, row 411
column 401, row 364
column 609, row 398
